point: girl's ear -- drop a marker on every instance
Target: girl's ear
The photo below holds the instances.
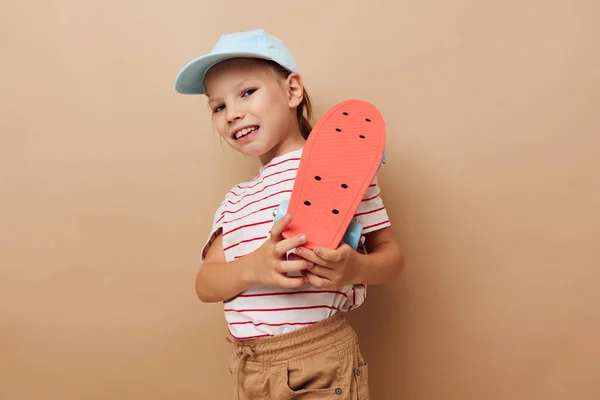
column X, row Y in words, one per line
column 295, row 90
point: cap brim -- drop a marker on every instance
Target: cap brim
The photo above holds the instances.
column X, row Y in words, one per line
column 190, row 79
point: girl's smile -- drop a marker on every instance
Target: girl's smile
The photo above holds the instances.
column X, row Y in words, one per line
column 254, row 107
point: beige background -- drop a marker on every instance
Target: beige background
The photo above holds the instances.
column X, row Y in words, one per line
column 108, row 182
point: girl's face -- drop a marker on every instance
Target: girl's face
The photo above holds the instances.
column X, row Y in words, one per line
column 254, row 108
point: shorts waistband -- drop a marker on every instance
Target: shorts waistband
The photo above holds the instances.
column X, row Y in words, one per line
column 304, row 340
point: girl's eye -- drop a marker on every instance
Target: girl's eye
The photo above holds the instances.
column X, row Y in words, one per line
column 248, row 92
column 218, row 108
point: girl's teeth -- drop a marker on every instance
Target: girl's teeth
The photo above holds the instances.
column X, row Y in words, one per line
column 244, row 132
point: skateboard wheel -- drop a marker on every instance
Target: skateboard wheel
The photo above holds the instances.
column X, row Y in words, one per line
column 281, row 210
column 353, row 234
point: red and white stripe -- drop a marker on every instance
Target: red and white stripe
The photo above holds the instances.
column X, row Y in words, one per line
column 246, row 217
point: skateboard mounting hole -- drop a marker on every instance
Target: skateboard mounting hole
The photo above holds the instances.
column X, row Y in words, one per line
column 307, row 203
column 344, row 186
column 338, row 129
column 367, row 119
column 335, row 211
column 345, row 113
column 362, row 136
column 318, row 177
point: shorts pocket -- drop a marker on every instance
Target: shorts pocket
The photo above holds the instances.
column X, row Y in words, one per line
column 314, row 376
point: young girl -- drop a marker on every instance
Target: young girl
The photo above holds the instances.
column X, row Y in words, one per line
column 285, row 315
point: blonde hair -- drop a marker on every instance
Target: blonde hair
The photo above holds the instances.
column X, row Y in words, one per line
column 304, row 109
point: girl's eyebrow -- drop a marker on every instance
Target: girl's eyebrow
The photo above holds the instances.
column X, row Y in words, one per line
column 243, row 82
column 211, row 100
column 237, row 86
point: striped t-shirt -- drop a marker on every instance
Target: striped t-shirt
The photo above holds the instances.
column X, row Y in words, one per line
column 245, row 217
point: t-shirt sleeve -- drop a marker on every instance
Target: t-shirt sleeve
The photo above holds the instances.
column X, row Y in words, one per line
column 217, row 226
column 371, row 212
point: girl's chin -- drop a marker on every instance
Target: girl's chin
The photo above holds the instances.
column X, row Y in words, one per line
column 254, row 149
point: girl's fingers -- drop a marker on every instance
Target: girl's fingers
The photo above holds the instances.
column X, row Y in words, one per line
column 285, row 245
column 279, row 227
column 293, row 266
column 311, row 256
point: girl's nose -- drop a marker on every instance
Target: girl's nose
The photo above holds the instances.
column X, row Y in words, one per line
column 233, row 113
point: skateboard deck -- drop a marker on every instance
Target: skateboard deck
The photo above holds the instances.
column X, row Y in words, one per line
column 340, row 159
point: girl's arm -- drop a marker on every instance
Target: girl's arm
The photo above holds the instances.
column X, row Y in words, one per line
column 384, row 259
column 219, row 280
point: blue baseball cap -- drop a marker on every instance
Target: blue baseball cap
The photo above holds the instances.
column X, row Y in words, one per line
column 251, row 44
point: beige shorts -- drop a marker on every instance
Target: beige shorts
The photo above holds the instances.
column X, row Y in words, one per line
column 322, row 361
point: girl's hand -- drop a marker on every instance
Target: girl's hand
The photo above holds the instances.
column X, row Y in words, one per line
column 270, row 265
column 332, row 268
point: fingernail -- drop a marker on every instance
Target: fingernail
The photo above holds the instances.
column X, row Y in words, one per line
column 310, row 264
column 317, row 250
column 299, row 250
column 302, row 238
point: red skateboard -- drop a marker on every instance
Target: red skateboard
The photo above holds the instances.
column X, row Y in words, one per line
column 343, row 153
